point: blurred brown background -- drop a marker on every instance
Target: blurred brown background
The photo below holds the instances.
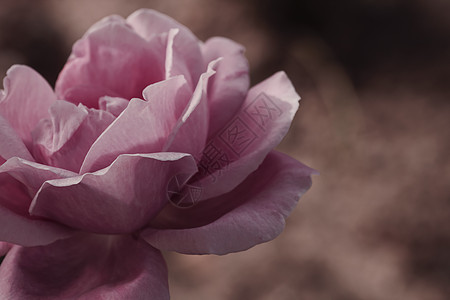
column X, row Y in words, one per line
column 374, row 120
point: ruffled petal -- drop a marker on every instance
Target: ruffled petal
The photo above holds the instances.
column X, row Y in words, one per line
column 113, row 105
column 191, row 130
column 25, row 99
column 19, row 182
column 143, row 127
column 240, row 147
column 64, row 140
column 183, row 55
column 228, row 88
column 118, row 199
column 85, row 267
column 11, row 144
column 251, row 214
column 90, row 74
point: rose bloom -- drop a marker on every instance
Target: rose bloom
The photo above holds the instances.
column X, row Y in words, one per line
column 151, row 140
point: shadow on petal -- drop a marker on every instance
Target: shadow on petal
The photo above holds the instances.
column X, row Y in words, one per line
column 85, row 266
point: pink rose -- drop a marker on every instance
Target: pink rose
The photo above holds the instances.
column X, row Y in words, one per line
column 151, row 141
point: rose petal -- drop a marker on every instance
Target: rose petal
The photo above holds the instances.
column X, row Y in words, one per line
column 118, row 199
column 4, row 248
column 190, row 132
column 25, row 99
column 113, row 105
column 28, row 232
column 11, row 144
column 251, row 214
column 111, row 60
column 32, row 174
column 85, row 267
column 241, row 146
column 228, row 88
column 143, row 127
column 148, row 23
column 64, row 139
column 19, row 181
column 183, row 55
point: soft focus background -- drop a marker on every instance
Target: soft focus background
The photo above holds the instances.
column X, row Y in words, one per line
column 374, row 76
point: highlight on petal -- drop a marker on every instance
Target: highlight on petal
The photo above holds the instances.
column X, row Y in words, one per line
column 190, row 133
column 240, row 147
column 25, row 99
column 121, row 198
column 113, row 105
column 183, row 61
column 19, row 182
column 143, row 127
column 253, row 213
column 111, row 59
column 85, row 266
column 228, row 88
column 64, row 140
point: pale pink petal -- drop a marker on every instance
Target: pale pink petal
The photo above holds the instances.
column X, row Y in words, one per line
column 118, row 199
column 191, row 130
column 143, row 127
column 241, row 146
column 11, row 144
column 113, row 105
column 25, row 99
column 64, row 140
column 111, row 60
column 19, row 181
column 148, row 23
column 183, row 55
column 251, row 214
column 228, row 88
column 85, row 267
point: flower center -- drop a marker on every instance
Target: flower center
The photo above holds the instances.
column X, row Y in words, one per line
column 183, row 194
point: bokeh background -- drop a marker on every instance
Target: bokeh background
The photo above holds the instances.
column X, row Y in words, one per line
column 374, row 120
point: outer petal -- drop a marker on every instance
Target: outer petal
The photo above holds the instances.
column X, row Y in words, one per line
column 111, row 60
column 119, row 199
column 25, row 100
column 11, row 144
column 228, row 88
column 19, row 181
column 64, row 140
column 143, row 127
column 252, row 213
column 241, row 146
column 85, row 267
column 183, row 56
